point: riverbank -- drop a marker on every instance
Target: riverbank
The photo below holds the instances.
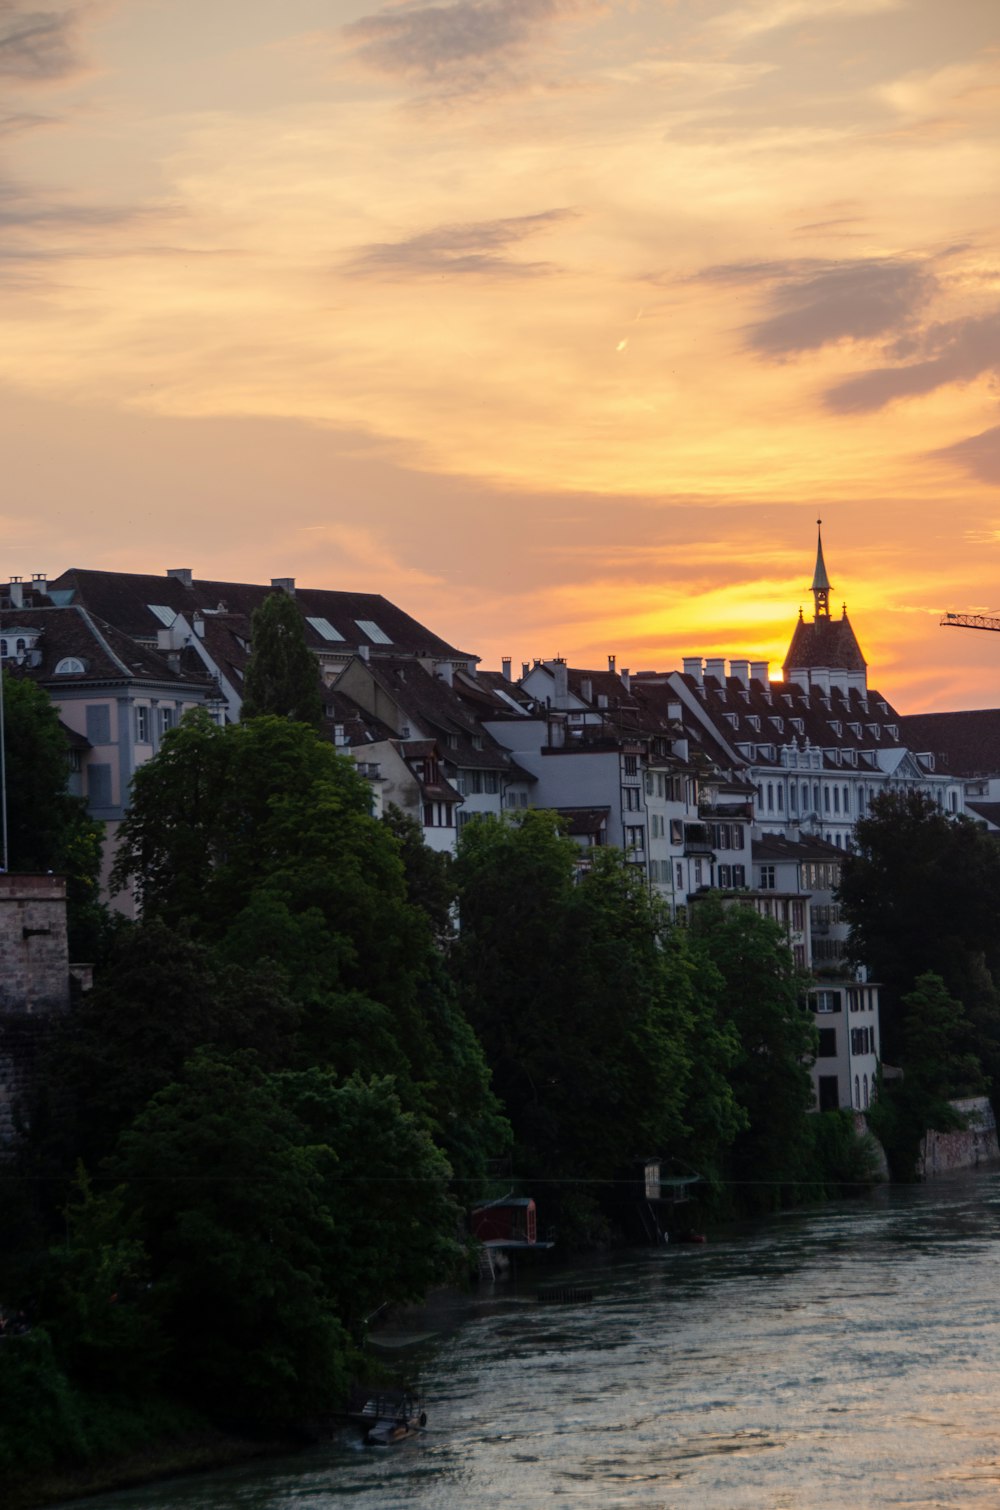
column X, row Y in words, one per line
column 194, row 1452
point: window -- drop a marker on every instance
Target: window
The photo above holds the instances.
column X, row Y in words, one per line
column 99, row 785
column 142, row 726
column 99, row 724
column 725, row 876
column 857, row 1093
column 781, row 799
column 768, row 880
column 635, row 838
column 798, row 916
column 631, row 763
column 770, row 797
column 826, row 799
column 166, row 719
column 324, row 629
column 827, row 1044
column 70, row 665
column 375, row 634
column 829, row 1093
column 630, row 798
column 429, row 815
column 739, row 875
column 826, row 1001
column 697, row 873
column 680, row 876
column 865, row 1090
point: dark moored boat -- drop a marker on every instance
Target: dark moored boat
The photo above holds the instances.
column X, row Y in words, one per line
column 386, row 1415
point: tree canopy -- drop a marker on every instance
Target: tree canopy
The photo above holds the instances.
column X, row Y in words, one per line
column 48, row 829
column 922, row 894
column 282, row 674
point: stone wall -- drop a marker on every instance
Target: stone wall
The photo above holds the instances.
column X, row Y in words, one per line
column 34, row 957
column 970, row 1146
column 34, row 986
column 22, row 1039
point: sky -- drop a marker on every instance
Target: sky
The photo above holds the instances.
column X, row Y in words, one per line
column 558, row 322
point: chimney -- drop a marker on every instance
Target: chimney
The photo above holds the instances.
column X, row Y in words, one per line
column 505, row 664
column 611, row 664
column 626, row 683
column 181, row 574
column 443, row 669
column 286, row 584
column 560, row 674
column 740, row 671
column 363, row 651
column 693, row 667
column 758, row 672
column 16, row 591
column 525, row 668
column 587, row 690
column 39, row 581
column 716, row 666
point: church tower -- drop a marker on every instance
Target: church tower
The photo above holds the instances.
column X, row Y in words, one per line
column 825, row 653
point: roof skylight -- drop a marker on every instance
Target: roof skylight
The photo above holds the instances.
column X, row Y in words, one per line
column 324, row 629
column 375, row 634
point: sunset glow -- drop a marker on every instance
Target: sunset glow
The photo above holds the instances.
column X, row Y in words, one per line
column 559, row 322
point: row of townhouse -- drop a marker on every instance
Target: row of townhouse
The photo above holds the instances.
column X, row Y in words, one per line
column 705, row 780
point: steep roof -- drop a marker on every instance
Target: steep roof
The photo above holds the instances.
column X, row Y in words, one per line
column 965, row 743
column 105, row 653
column 825, row 644
column 339, row 622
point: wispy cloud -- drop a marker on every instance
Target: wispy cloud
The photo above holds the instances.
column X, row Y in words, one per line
column 38, row 45
column 480, row 247
column 978, row 454
column 463, row 39
column 955, row 352
column 813, row 304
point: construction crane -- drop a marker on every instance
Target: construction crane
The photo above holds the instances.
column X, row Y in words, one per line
column 969, row 621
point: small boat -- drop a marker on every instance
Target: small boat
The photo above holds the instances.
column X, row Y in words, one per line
column 386, row 1415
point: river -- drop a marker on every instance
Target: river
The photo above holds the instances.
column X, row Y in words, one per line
column 840, row 1357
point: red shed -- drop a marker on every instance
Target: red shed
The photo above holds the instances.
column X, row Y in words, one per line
column 510, row 1222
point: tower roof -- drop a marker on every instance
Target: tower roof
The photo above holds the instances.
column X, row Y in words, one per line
column 825, row 644
column 821, row 582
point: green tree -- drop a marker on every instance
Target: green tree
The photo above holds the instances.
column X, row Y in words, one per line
column 47, row 828
column 762, row 996
column 282, row 674
column 230, row 1193
column 939, row 1068
column 258, row 840
column 159, row 998
column 586, row 1005
column 922, row 894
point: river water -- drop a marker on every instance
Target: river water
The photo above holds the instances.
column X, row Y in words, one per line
column 840, row 1357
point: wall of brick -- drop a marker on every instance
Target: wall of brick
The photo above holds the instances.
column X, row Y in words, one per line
column 34, row 986
column 22, row 1039
column 34, row 958
column 972, row 1145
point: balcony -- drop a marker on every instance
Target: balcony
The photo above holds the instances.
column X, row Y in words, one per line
column 697, row 839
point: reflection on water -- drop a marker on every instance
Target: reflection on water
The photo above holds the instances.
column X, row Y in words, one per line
column 840, row 1358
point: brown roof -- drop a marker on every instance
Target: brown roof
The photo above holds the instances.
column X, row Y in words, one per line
column 965, row 743
column 825, row 643
column 104, row 651
column 124, row 599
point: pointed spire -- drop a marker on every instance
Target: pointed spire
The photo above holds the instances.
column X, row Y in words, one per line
column 821, row 582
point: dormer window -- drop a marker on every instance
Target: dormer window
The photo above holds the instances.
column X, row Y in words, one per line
column 837, row 727
column 754, row 722
column 70, row 665
column 855, row 730
column 893, row 731
column 798, row 725
column 778, row 723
